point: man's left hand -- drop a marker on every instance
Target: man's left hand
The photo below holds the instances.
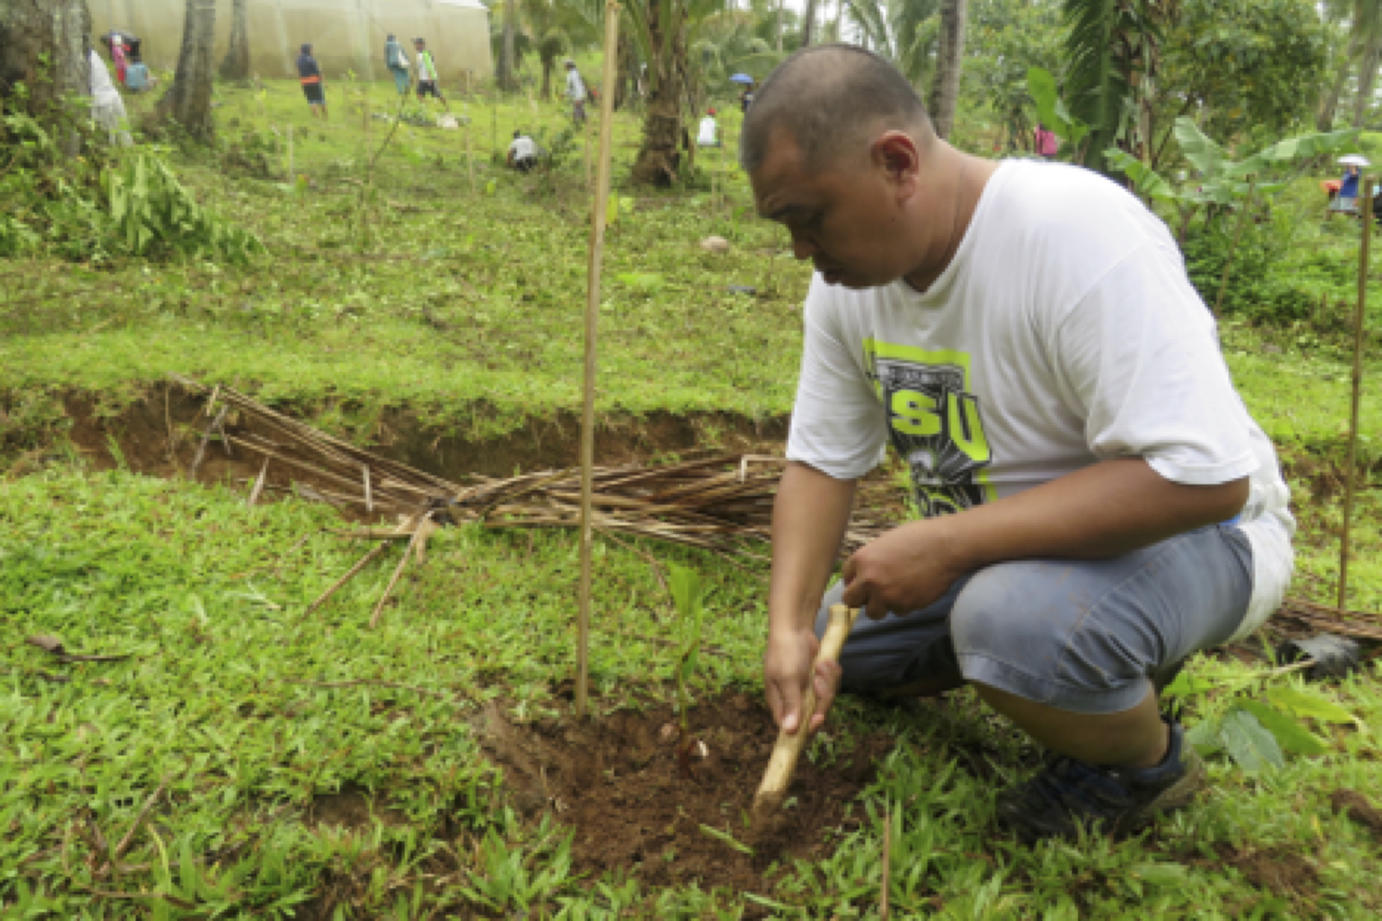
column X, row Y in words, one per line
column 907, row 568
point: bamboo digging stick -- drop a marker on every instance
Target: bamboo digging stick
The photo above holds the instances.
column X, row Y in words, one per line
column 783, row 761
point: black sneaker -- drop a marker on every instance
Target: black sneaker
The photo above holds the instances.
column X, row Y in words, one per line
column 1068, row 794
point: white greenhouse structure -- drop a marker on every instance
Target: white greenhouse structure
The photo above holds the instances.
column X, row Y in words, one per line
column 346, row 35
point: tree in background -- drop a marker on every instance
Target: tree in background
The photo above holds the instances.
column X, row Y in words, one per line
column 808, row 23
column 1114, row 51
column 1357, row 47
column 507, row 71
column 1238, row 68
column 1007, row 37
column 236, row 64
column 945, row 88
column 664, row 31
column 542, row 20
column 903, row 31
column 188, row 100
column 43, row 46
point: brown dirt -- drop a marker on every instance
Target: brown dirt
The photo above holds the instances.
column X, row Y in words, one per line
column 1356, row 806
column 634, row 805
column 159, row 432
column 1281, row 871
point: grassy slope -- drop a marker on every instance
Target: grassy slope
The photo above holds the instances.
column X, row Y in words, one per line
column 246, row 711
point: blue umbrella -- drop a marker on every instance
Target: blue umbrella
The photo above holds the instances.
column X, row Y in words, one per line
column 741, row 78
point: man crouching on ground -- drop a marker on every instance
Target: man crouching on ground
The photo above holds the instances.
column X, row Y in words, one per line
column 1097, row 503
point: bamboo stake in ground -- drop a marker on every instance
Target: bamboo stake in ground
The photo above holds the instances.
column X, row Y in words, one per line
column 1365, row 215
column 783, row 761
column 592, row 312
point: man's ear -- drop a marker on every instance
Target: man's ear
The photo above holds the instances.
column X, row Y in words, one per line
column 896, row 153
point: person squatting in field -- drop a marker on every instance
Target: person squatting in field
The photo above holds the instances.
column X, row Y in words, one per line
column 1096, row 503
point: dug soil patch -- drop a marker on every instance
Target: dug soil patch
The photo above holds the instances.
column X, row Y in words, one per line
column 672, row 811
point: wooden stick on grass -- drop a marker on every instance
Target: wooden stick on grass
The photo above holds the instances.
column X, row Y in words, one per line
column 1349, row 468
column 419, row 530
column 335, row 586
column 592, row 313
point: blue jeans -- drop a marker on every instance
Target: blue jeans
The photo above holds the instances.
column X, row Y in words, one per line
column 400, row 79
column 1086, row 636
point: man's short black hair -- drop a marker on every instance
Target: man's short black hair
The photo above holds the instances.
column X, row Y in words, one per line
column 826, row 96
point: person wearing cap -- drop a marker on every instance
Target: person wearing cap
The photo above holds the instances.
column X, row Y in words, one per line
column 575, row 91
column 396, row 59
column 522, row 154
column 426, row 73
column 708, row 133
column 310, row 76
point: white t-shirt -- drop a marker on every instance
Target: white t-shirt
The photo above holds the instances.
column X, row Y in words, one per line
column 575, row 86
column 107, row 108
column 708, row 133
column 425, row 69
column 1063, row 331
column 523, row 147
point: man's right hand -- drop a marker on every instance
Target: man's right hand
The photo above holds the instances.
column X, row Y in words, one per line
column 787, row 668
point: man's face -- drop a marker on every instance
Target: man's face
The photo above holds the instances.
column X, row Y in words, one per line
column 846, row 217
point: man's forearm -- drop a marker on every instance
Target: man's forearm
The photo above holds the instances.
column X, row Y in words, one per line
column 1100, row 511
column 810, row 514
column 1103, row 510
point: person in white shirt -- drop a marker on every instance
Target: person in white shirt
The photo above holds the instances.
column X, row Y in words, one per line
column 575, row 92
column 426, row 73
column 522, row 153
column 708, row 132
column 1096, row 502
column 107, row 108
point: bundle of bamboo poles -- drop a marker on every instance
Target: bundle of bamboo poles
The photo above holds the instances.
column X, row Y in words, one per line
column 721, row 502
column 718, row 502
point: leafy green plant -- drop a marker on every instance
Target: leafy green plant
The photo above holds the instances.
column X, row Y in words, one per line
column 151, row 213
column 1220, row 184
column 1052, row 110
column 1265, row 718
column 689, row 598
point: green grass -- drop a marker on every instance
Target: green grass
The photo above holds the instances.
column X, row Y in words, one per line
column 234, row 716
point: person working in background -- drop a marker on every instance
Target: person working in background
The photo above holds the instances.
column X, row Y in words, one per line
column 396, row 59
column 708, row 132
column 522, row 153
column 575, row 92
column 1096, row 504
column 1044, row 141
column 426, row 73
column 119, row 58
column 1347, row 197
column 310, row 76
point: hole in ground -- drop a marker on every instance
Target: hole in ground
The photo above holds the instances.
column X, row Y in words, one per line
column 635, row 806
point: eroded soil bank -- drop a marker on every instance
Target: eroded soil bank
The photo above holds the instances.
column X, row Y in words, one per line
column 162, row 431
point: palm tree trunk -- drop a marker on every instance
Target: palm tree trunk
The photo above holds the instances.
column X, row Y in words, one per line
column 188, row 100
column 626, row 70
column 659, row 157
column 506, row 76
column 43, row 46
column 236, row 64
column 945, row 91
column 1367, row 78
column 808, row 22
column 1329, row 103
